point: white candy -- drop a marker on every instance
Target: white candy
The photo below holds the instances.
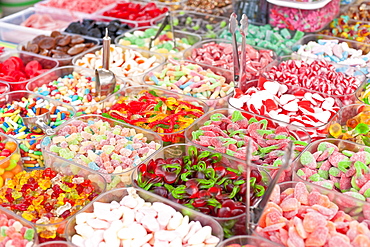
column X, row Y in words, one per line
column 175, row 221
column 285, row 98
column 201, row 235
column 84, row 230
column 193, row 229
column 97, row 223
column 291, row 106
column 272, row 87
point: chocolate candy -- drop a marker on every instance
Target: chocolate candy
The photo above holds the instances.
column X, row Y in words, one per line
column 359, row 12
column 59, row 46
column 96, row 29
column 215, row 7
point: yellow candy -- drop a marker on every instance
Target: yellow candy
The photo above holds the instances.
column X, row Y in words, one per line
column 162, row 50
column 28, row 216
column 335, row 130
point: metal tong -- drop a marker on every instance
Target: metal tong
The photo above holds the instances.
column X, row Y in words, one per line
column 167, row 20
column 39, row 123
column 239, row 61
column 105, row 80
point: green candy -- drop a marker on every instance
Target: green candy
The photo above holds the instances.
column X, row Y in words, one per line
column 315, row 177
column 367, row 193
column 29, row 234
column 301, row 173
column 334, row 171
column 307, row 159
column 323, row 174
column 236, row 116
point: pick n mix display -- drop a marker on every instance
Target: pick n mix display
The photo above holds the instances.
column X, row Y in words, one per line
column 195, row 139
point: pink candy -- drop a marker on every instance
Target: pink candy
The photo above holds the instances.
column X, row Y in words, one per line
column 221, row 55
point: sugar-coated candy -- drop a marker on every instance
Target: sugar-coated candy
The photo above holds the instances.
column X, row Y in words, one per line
column 138, row 223
column 15, row 233
column 126, row 63
column 297, row 217
column 221, row 55
column 75, row 5
column 231, row 134
column 45, row 22
column 45, row 197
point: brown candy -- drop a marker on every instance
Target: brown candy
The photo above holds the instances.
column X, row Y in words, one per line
column 47, row 43
column 55, row 34
column 32, row 47
column 76, row 49
column 63, row 40
column 76, row 39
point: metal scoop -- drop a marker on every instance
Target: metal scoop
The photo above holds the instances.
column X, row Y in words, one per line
column 167, row 20
column 105, row 80
column 233, row 26
column 39, row 123
column 248, row 156
column 243, row 54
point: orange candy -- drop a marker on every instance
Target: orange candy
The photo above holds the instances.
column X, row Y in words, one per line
column 11, row 146
column 7, row 174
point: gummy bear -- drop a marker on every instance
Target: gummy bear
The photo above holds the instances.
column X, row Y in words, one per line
column 335, row 130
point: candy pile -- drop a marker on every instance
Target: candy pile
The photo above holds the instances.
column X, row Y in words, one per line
column 221, row 55
column 289, row 104
column 318, row 75
column 59, row 46
column 161, row 114
column 14, row 233
column 12, row 124
column 353, row 124
column 101, row 147
column 215, row 7
column 297, row 217
column 44, row 197
column 75, row 89
column 10, row 164
column 144, row 14
column 231, row 134
column 358, row 12
column 163, row 44
column 76, row 5
column 306, row 20
column 96, row 29
column 44, row 22
column 134, row 222
column 191, row 79
column 265, row 36
column 337, row 168
column 334, row 51
column 123, row 62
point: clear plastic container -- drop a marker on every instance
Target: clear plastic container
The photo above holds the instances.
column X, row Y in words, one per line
column 345, row 98
column 297, row 132
column 25, row 223
column 140, row 23
column 250, row 241
column 55, row 231
column 217, row 24
column 231, row 225
column 358, row 210
column 133, row 92
column 192, row 38
column 56, row 244
column 33, row 159
column 364, row 47
column 16, row 34
column 4, row 87
column 62, row 61
column 303, row 16
column 114, row 180
column 346, row 201
column 82, row 108
column 135, row 78
column 118, row 194
column 26, row 57
column 317, row 132
column 212, row 103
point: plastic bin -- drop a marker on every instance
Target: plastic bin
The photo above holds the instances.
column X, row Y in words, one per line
column 307, row 16
column 29, row 142
column 56, row 244
column 55, row 231
column 255, row 241
column 118, row 194
column 46, row 63
column 192, row 38
column 297, row 133
column 114, row 180
column 62, row 61
column 131, row 94
column 92, row 107
column 234, row 225
column 212, row 103
column 134, row 78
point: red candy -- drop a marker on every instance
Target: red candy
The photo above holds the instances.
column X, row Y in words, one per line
column 136, row 12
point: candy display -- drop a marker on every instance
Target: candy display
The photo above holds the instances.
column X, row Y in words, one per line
column 96, row 29
column 280, row 40
column 215, row 7
column 163, row 44
column 164, row 112
column 128, row 63
column 75, row 5
column 302, row 215
column 113, row 219
column 18, row 104
column 143, row 13
column 15, row 230
column 47, row 198
column 229, row 133
column 103, row 145
column 341, row 51
column 211, row 84
column 218, row 53
column 291, row 104
column 337, row 165
column 305, row 17
column 72, row 85
column 17, row 68
column 61, row 47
